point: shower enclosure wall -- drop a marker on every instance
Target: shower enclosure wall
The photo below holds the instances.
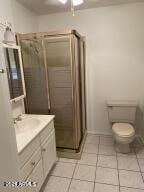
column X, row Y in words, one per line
column 54, row 71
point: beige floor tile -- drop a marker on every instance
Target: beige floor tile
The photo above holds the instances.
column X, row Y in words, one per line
column 131, row 154
column 90, row 148
column 104, row 140
column 66, row 160
column 143, row 176
column 106, row 150
column 92, row 139
column 105, row 188
column 131, row 179
column 139, row 152
column 141, row 164
column 81, row 186
column 88, row 159
column 107, row 161
column 107, row 176
column 128, row 163
column 137, row 143
column 57, row 184
column 124, row 189
column 63, row 169
column 85, row 172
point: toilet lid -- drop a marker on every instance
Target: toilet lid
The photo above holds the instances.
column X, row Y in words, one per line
column 123, row 129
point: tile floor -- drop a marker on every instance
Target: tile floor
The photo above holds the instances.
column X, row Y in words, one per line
column 100, row 169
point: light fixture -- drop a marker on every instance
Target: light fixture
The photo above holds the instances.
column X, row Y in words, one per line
column 77, row 2
column 63, row 1
column 9, row 35
column 73, row 4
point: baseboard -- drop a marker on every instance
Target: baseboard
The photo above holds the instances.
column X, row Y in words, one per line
column 99, row 133
column 109, row 134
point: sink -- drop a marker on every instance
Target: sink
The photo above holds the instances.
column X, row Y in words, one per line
column 27, row 124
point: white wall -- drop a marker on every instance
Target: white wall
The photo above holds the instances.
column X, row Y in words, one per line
column 8, row 148
column 115, row 55
column 25, row 21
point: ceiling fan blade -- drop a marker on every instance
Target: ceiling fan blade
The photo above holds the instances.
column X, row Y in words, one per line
column 52, row 2
column 77, row 2
column 63, row 1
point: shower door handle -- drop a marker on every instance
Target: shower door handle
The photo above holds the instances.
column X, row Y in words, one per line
column 49, row 105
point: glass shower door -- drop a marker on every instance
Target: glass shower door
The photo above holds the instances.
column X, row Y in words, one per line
column 58, row 54
column 35, row 76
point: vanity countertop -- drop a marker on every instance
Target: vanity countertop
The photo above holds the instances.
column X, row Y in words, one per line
column 29, row 127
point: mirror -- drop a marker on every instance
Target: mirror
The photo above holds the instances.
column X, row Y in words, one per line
column 14, row 72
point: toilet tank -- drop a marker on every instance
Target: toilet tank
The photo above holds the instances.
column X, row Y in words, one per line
column 121, row 111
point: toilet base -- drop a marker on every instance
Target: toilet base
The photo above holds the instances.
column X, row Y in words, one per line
column 123, row 148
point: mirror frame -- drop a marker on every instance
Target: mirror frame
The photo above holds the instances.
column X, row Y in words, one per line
column 21, row 71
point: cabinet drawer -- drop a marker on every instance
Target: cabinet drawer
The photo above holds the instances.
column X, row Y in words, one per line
column 27, row 153
column 45, row 133
column 36, row 176
column 30, row 165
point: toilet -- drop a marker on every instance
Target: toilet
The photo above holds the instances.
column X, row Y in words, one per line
column 121, row 115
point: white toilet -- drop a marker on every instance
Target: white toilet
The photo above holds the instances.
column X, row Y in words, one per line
column 121, row 115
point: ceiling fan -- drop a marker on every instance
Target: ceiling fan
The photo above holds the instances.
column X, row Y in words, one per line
column 73, row 3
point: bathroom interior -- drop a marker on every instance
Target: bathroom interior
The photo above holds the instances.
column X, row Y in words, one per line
column 71, row 95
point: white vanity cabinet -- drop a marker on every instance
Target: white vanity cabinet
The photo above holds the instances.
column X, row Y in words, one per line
column 48, row 154
column 37, row 176
column 38, row 157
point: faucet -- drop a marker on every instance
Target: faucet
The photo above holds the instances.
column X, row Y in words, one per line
column 18, row 118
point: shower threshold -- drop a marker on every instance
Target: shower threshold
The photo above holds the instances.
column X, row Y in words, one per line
column 72, row 154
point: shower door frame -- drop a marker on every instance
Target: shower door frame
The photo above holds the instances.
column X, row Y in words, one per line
column 31, row 37
column 61, row 34
column 72, row 80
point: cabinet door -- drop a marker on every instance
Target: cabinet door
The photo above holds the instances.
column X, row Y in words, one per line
column 36, row 176
column 49, row 153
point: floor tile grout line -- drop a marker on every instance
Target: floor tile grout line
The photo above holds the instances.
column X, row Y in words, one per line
column 103, row 167
column 97, row 182
column 72, row 176
column 96, row 166
column 66, row 162
column 87, row 165
column 75, row 169
column 118, row 171
column 99, row 144
column 119, row 155
column 107, row 184
column 131, row 187
column 139, row 166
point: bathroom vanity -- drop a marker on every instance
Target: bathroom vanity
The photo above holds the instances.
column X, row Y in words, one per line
column 35, row 134
column 36, row 145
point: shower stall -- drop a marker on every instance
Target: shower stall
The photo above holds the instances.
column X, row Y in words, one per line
column 54, row 72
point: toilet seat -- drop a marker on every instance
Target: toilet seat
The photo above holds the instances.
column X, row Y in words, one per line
column 123, row 129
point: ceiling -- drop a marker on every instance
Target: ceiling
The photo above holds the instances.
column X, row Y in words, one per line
column 42, row 7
